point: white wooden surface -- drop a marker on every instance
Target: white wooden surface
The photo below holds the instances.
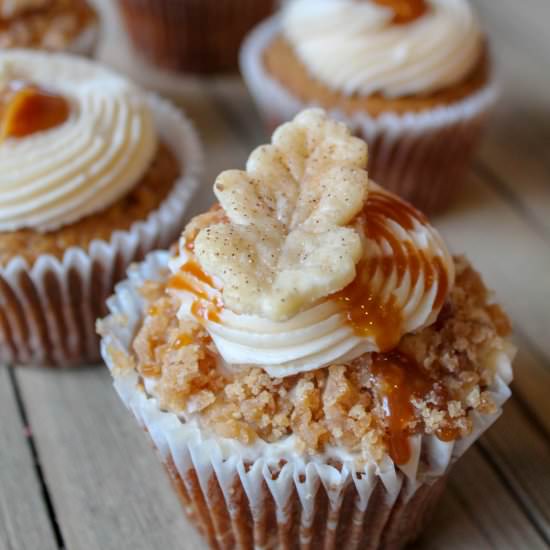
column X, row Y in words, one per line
column 75, row 471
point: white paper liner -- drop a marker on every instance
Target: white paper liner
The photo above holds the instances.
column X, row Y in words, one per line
column 48, row 310
column 421, row 156
column 185, row 448
column 85, row 43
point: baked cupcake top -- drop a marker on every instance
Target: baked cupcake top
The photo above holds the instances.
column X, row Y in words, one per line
column 55, row 25
column 389, row 47
column 75, row 137
column 13, row 8
column 312, row 312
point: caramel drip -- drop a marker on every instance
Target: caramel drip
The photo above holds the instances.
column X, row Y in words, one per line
column 27, row 109
column 398, row 380
column 204, row 307
column 367, row 311
column 448, row 434
column 405, row 11
column 182, row 341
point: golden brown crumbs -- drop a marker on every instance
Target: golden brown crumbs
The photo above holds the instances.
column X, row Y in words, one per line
column 53, row 27
column 146, row 196
column 123, row 363
column 340, row 405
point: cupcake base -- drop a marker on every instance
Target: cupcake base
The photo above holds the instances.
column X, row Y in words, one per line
column 269, row 495
column 48, row 307
column 386, row 522
column 422, row 155
column 195, row 36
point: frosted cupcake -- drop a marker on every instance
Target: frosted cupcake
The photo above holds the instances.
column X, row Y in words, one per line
column 192, row 36
column 95, row 174
column 55, row 25
column 411, row 77
column 310, row 361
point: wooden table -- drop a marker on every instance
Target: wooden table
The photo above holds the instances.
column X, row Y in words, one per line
column 77, row 473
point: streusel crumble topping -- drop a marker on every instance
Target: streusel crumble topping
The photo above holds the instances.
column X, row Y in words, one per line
column 443, row 372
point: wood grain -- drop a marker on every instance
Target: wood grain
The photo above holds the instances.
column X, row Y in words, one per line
column 24, row 522
column 108, row 487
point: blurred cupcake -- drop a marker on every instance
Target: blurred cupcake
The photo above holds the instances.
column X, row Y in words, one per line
column 195, row 36
column 95, row 174
column 54, row 25
column 310, row 361
column 411, row 77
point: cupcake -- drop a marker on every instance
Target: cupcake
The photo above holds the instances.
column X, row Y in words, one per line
column 310, row 360
column 411, row 77
column 195, row 36
column 54, row 25
column 95, row 174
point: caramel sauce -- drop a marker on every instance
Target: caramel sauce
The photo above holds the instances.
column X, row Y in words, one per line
column 153, row 311
column 397, row 380
column 204, row 308
column 405, row 11
column 448, row 434
column 367, row 311
column 367, row 314
column 205, row 311
column 150, row 371
column 183, row 340
column 27, row 109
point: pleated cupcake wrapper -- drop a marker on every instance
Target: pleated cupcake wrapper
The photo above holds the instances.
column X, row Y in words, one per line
column 198, row 36
column 267, row 494
column 85, row 43
column 421, row 156
column 48, row 310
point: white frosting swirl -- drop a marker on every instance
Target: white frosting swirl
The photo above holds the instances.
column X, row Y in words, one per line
column 353, row 47
column 323, row 334
column 55, row 177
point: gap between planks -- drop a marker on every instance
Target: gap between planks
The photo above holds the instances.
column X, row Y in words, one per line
column 26, row 523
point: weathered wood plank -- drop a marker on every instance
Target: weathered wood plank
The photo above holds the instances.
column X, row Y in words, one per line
column 24, row 521
column 107, row 485
column 518, row 139
column 521, row 454
column 491, row 506
column 454, row 527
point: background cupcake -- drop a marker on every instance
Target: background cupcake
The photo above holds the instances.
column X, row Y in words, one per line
column 413, row 78
column 197, row 36
column 55, row 25
column 311, row 361
column 95, row 173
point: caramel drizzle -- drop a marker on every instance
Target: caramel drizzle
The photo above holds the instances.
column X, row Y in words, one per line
column 405, row 11
column 204, row 308
column 365, row 308
column 397, row 380
column 27, row 109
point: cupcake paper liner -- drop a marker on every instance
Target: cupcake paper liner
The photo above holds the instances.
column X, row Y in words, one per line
column 267, row 495
column 197, row 36
column 48, row 310
column 421, row 156
column 85, row 43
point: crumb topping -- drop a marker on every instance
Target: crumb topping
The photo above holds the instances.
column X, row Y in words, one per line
column 440, row 374
column 288, row 239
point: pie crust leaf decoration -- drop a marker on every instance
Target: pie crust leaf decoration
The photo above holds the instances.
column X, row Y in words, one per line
column 289, row 240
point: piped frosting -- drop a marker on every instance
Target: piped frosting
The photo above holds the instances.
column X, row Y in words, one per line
column 54, row 177
column 399, row 282
column 356, row 47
